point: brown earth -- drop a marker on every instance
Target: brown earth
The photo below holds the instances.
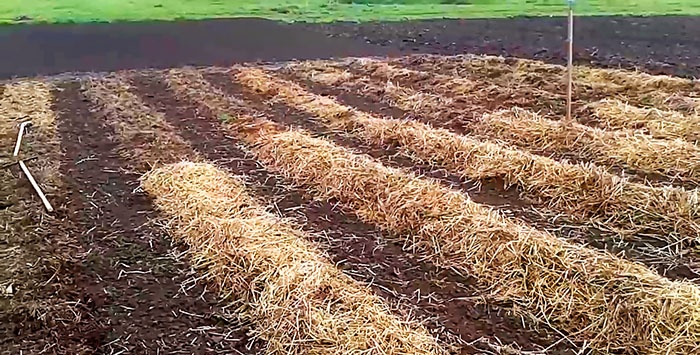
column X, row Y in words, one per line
column 448, row 302
column 136, row 293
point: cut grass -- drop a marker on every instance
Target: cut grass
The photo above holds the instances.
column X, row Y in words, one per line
column 675, row 159
column 297, row 300
column 584, row 191
column 13, row 11
column 594, row 297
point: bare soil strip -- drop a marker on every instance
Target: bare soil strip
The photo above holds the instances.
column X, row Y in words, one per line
column 441, row 298
column 456, row 232
column 144, row 298
column 299, row 302
column 583, row 191
column 590, row 83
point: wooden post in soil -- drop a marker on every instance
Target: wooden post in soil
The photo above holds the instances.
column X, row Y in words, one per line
column 570, row 66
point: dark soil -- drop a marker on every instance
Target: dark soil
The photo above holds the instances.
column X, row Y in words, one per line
column 54, row 49
column 667, row 44
column 658, row 44
column 443, row 299
column 129, row 288
column 136, row 293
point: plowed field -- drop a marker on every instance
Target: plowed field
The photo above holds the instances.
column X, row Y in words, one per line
column 413, row 205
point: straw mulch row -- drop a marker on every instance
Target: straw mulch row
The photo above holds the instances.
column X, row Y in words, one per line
column 478, row 95
column 145, row 134
column 523, row 87
column 299, row 302
column 594, row 297
column 28, row 296
column 589, row 83
column 674, row 159
column 665, row 124
column 582, row 190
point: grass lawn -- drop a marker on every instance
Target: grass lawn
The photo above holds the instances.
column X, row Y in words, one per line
column 13, row 11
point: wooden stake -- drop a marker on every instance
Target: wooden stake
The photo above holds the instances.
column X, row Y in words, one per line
column 26, row 170
column 19, row 137
column 570, row 66
column 36, row 186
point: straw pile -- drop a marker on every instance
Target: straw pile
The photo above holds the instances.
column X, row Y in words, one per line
column 582, row 190
column 617, row 114
column 485, row 92
column 662, row 90
column 298, row 301
column 610, row 303
column 144, row 132
column 592, row 296
column 673, row 158
column 31, row 101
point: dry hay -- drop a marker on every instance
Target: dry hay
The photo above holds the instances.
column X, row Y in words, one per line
column 31, row 101
column 661, row 90
column 144, row 133
column 582, row 190
column 616, row 114
column 594, row 297
column 23, row 224
column 675, row 159
column 482, row 93
column 297, row 300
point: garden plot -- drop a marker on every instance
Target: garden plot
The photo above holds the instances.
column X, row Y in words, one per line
column 302, row 196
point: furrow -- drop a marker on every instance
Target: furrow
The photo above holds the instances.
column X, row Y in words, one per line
column 610, row 303
column 299, row 302
column 583, row 190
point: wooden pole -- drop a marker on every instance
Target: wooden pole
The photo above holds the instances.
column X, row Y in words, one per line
column 570, row 66
column 26, row 170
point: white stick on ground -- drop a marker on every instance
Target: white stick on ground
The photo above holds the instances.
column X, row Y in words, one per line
column 26, row 170
column 36, row 186
column 570, row 64
column 19, row 137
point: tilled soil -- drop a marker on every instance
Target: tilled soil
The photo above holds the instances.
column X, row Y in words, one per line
column 140, row 297
column 443, row 299
column 134, row 292
column 663, row 45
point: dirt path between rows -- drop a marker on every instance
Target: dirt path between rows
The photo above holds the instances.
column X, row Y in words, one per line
column 135, row 288
column 441, row 298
